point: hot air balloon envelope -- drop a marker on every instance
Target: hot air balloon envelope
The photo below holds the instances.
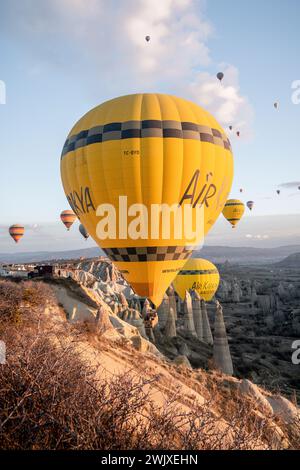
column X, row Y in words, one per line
column 83, row 231
column 16, row 232
column 220, row 76
column 149, row 150
column 68, row 218
column 200, row 275
column 233, row 211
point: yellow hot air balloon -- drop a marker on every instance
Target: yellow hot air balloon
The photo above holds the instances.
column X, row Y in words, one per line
column 233, row 211
column 146, row 150
column 68, row 218
column 16, row 232
column 200, row 275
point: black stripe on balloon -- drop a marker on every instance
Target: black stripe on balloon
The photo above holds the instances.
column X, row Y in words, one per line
column 170, row 129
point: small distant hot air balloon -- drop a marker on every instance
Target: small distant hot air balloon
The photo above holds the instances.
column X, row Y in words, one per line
column 276, row 105
column 299, row 188
column 278, row 191
column 68, row 218
column 220, row 76
column 84, row 231
column 147, row 38
column 250, row 205
column 200, row 275
column 238, row 133
column 233, row 211
column 230, row 128
column 16, row 232
column 241, row 190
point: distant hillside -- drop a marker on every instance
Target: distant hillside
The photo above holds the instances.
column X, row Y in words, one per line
column 32, row 257
column 247, row 255
column 292, row 261
column 217, row 254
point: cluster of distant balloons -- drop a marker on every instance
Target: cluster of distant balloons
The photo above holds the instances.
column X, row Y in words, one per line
column 68, row 217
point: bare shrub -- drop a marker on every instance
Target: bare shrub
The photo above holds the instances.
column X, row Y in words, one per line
column 51, row 399
column 36, row 294
column 292, row 431
column 18, row 298
column 11, row 294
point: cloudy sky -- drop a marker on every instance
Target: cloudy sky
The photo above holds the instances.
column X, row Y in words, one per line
column 59, row 58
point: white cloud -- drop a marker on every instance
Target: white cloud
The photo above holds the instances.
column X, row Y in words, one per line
column 257, row 237
column 104, row 43
column 224, row 99
column 290, row 184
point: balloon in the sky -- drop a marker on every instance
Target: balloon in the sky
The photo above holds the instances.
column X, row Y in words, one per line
column 147, row 38
column 278, row 191
column 146, row 150
column 299, row 188
column 16, row 232
column 84, row 231
column 238, row 133
column 200, row 275
column 250, row 205
column 233, row 211
column 241, row 190
column 230, row 128
column 220, row 76
column 276, row 105
column 68, row 218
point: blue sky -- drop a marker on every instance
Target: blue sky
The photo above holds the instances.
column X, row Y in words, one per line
column 59, row 58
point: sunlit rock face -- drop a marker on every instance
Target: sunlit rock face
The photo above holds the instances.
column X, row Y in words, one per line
column 188, row 315
column 221, row 353
column 207, row 335
column 170, row 326
column 163, row 311
column 197, row 314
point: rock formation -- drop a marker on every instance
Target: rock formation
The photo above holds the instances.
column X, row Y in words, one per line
column 182, row 361
column 138, row 305
column 236, row 291
column 123, row 299
column 172, row 300
column 223, row 291
column 197, row 314
column 188, row 324
column 103, row 323
column 163, row 311
column 134, row 319
column 146, row 308
column 253, row 295
column 282, row 292
column 207, row 336
column 221, row 352
column 170, row 326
